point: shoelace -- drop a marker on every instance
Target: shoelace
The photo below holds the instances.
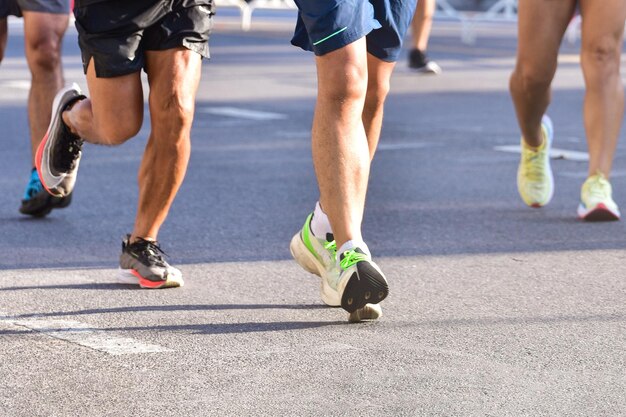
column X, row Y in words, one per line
column 72, row 147
column 533, row 165
column 598, row 187
column 351, row 257
column 151, row 251
column 332, row 248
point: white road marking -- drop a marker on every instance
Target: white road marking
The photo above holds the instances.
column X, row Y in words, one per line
column 583, row 174
column 17, row 84
column 242, row 113
column 85, row 335
column 402, row 146
column 554, row 153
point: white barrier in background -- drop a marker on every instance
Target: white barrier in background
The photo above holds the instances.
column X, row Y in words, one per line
column 501, row 11
column 246, row 8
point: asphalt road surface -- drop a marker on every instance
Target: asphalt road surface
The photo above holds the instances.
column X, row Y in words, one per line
column 495, row 309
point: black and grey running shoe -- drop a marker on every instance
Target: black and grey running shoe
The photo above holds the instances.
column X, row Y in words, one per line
column 143, row 262
column 59, row 152
column 420, row 62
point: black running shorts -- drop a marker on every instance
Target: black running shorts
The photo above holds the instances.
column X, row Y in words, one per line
column 16, row 7
column 115, row 33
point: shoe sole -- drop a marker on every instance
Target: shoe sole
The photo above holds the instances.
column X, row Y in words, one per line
column 367, row 285
column 46, row 206
column 600, row 213
column 369, row 312
column 130, row 276
column 54, row 121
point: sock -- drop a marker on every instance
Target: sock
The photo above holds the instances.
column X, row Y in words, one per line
column 351, row 244
column 320, row 226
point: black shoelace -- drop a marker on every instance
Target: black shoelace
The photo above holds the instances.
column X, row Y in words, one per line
column 69, row 148
column 149, row 251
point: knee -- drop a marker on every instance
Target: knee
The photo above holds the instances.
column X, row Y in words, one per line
column 44, row 55
column 107, row 126
column 173, row 112
column 530, row 79
column 116, row 135
column 347, row 84
column 603, row 54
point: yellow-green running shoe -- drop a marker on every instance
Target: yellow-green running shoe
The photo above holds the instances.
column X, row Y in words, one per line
column 535, row 182
column 596, row 200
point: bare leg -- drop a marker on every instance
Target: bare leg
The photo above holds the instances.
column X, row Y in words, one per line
column 541, row 26
column 113, row 114
column 174, row 75
column 43, row 34
column 379, row 74
column 3, row 37
column 340, row 150
column 602, row 34
column 422, row 23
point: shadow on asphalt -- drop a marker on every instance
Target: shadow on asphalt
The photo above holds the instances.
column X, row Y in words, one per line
column 178, row 307
column 251, row 327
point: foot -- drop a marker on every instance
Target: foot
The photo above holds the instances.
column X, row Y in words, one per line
column 535, row 182
column 319, row 257
column 420, row 62
column 143, row 262
column 596, row 200
column 59, row 152
column 37, row 202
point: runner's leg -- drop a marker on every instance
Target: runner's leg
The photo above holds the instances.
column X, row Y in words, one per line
column 602, row 38
column 541, row 26
column 114, row 111
column 174, row 75
column 43, row 36
column 379, row 74
column 340, row 150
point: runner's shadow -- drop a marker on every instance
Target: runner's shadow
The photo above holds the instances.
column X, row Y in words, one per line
column 172, row 308
column 90, row 286
column 200, row 329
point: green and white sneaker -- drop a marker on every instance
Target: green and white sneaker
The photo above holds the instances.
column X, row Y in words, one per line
column 319, row 257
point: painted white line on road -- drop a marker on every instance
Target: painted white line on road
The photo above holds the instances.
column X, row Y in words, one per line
column 85, row 335
column 242, row 113
column 18, row 84
column 554, row 153
column 402, row 146
column 583, row 174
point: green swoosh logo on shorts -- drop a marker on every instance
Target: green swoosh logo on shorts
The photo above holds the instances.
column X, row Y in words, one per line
column 329, row 36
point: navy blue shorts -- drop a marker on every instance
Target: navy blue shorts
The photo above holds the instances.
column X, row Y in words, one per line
column 326, row 25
